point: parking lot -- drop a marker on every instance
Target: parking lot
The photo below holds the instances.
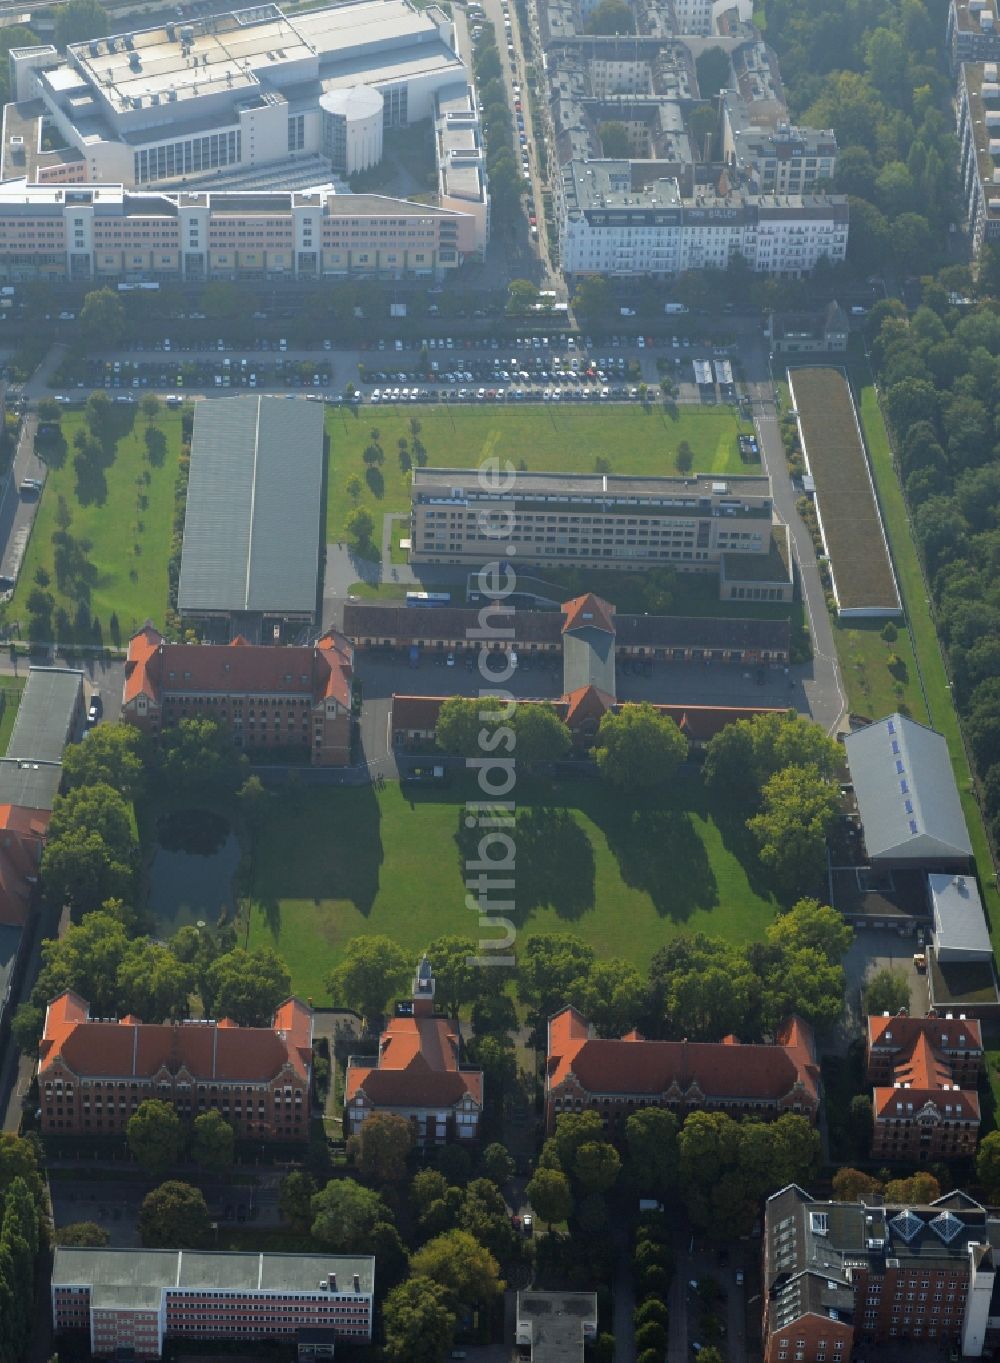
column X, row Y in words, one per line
column 384, row 672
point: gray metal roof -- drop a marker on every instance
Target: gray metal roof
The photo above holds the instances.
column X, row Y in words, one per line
column 47, row 715
column 589, row 660
column 960, row 929
column 554, row 1323
column 34, row 785
column 252, row 524
column 129, row 1277
column 906, row 791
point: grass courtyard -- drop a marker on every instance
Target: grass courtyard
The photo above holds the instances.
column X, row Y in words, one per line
column 633, row 439
column 333, row 864
column 125, row 520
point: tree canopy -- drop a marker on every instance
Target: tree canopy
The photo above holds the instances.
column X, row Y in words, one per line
column 638, row 748
column 175, row 1216
column 374, row 970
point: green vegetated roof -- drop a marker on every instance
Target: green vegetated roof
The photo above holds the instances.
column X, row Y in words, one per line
column 851, row 526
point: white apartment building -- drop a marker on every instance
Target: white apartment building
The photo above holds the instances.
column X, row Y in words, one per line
column 778, row 158
column 978, row 100
column 973, row 33
column 606, row 226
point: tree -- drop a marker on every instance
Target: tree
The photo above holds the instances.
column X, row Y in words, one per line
column 295, row 1199
column 651, row 1143
column 374, row 970
column 549, row 1194
column 638, row 748
column 685, row 457
column 851, row 1185
column 612, row 996
column 465, row 1269
column 381, row 1147
column 811, row 924
column 174, row 1216
column 597, row 1166
column 359, row 527
column 155, row 1136
column 549, row 964
column 742, row 757
column 111, row 756
column 419, row 1327
column 152, row 983
column 888, row 991
column 82, row 1235
column 90, row 852
column 79, row 21
column 213, row 1142
column 253, row 799
column 918, row 1190
column 497, row 1164
column 540, row 735
column 592, row 298
column 86, row 959
column 102, row 317
column 703, row 987
column 465, row 724
column 714, row 72
column 800, row 807
column 610, row 17
column 458, row 980
column 573, row 1129
column 988, row 1165
column 614, row 140
column 199, row 752
column 522, row 295
column 345, row 1215
column 246, row 986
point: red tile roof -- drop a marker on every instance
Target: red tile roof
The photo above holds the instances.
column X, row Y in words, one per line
column 155, row 667
column 900, row 1032
column 588, row 612
column 586, row 703
column 128, row 1048
column 921, row 1070
column 720, row 1070
column 418, row 1064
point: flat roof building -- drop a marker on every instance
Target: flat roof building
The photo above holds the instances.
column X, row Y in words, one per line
column 49, row 716
column 978, row 99
column 252, row 524
column 961, row 933
column 555, row 1327
column 132, row 1300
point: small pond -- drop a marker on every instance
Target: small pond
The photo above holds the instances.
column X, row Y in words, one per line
column 193, row 869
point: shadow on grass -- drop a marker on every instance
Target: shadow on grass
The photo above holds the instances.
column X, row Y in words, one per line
column 338, row 851
column 554, row 859
column 730, row 818
column 659, row 852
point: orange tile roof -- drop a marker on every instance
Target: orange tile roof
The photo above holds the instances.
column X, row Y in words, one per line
column 208, row 1050
column 418, row 1063
column 586, row 702
column 964, row 1103
column 719, row 1070
column 23, row 835
column 921, row 1071
column 154, row 667
column 588, row 612
column 964, row 1034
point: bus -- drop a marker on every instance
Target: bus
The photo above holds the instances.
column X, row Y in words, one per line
column 428, row 598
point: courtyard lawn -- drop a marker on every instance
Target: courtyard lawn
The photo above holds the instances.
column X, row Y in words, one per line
column 549, row 438
column 864, row 663
column 334, row 864
column 931, row 671
column 129, row 537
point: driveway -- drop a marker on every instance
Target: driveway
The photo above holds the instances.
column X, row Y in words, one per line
column 872, row 950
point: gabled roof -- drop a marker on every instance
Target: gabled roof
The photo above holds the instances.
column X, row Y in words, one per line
column 900, row 1032
column 588, row 611
column 128, row 1048
column 906, row 792
column 586, row 703
column 155, row 668
column 417, row 1065
column 923, row 1080
column 713, row 1069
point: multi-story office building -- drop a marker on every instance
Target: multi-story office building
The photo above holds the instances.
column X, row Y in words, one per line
column 266, row 696
column 106, row 232
column 925, row 1073
column 978, row 99
column 185, row 101
column 93, row 1073
column 973, row 33
column 594, row 520
column 841, row 1277
column 131, row 1301
column 613, row 224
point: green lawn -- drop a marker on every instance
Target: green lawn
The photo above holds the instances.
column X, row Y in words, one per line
column 12, row 688
column 933, row 677
column 633, row 439
column 864, row 663
column 337, row 863
column 130, row 544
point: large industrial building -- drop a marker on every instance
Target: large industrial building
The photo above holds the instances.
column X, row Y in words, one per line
column 251, row 553
column 182, row 102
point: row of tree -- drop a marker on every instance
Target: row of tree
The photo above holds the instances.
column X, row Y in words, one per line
column 24, row 1230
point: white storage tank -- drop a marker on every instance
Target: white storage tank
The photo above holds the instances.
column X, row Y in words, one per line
column 352, row 128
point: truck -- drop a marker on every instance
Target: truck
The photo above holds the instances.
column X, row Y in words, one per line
column 673, row 309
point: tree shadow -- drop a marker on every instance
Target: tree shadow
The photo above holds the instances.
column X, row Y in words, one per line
column 91, row 484
column 51, row 447
column 555, row 866
column 659, row 852
column 318, row 845
column 375, row 481
column 730, row 818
